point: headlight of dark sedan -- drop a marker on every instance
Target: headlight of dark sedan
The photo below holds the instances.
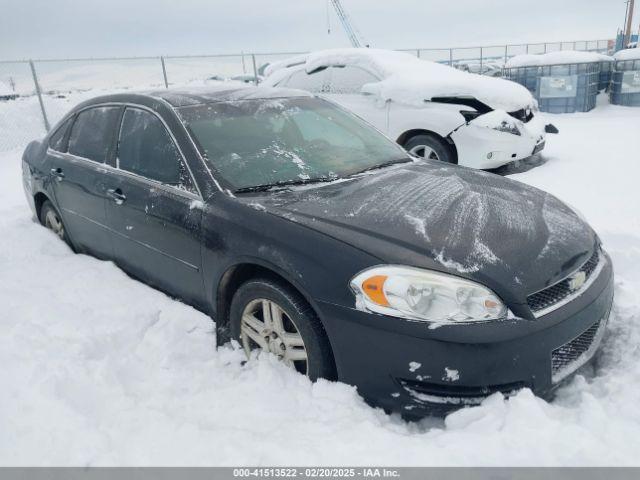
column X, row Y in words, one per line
column 424, row 295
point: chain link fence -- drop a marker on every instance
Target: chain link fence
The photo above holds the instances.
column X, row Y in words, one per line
column 34, row 95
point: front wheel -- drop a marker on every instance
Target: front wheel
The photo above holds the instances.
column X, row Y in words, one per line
column 270, row 316
column 430, row 147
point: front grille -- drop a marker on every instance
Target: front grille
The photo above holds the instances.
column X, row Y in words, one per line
column 561, row 290
column 524, row 115
column 569, row 355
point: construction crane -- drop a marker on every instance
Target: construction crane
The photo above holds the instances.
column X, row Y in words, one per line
column 355, row 37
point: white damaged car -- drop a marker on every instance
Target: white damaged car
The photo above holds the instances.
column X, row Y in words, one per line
column 432, row 110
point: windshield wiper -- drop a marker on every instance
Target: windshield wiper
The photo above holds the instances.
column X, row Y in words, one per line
column 285, row 183
column 383, row 165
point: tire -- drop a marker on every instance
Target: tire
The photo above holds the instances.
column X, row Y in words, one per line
column 51, row 219
column 438, row 149
column 297, row 316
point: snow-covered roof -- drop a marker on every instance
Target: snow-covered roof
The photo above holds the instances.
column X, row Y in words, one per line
column 556, row 58
column 628, row 54
column 410, row 80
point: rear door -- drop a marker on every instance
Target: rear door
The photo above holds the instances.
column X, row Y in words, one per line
column 344, row 87
column 154, row 207
column 79, row 177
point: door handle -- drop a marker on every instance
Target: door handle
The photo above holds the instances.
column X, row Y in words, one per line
column 57, row 173
column 116, row 195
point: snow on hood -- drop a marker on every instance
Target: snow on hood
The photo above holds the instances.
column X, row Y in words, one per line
column 628, row 54
column 556, row 58
column 470, row 223
column 407, row 79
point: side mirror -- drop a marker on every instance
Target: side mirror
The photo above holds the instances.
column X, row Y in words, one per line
column 549, row 128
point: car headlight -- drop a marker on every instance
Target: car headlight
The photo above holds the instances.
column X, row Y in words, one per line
column 507, row 127
column 424, row 295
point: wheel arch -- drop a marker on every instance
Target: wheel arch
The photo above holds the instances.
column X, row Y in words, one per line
column 237, row 274
column 409, row 134
column 38, row 200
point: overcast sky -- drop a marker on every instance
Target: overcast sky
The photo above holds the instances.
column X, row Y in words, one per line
column 72, row 28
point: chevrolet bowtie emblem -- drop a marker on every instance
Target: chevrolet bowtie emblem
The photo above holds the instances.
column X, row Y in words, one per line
column 577, row 281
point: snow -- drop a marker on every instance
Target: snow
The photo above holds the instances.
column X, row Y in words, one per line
column 5, row 90
column 562, row 57
column 451, row 374
column 413, row 366
column 99, row 369
column 628, row 54
column 409, row 80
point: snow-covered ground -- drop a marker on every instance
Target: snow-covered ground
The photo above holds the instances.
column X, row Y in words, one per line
column 99, row 369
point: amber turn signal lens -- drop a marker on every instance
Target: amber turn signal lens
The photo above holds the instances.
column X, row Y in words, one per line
column 490, row 304
column 373, row 288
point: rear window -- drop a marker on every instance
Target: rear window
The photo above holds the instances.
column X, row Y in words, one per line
column 92, row 133
column 57, row 140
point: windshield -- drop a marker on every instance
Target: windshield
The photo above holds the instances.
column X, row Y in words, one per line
column 252, row 143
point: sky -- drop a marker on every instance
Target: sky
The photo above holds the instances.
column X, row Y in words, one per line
column 90, row 28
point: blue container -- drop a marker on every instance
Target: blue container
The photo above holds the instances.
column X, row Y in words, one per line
column 568, row 88
column 606, row 69
column 625, row 83
column 525, row 76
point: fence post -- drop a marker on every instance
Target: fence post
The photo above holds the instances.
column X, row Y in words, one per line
column 481, row 60
column 164, row 73
column 255, row 69
column 418, row 52
column 39, row 93
column 244, row 68
column 506, row 53
column 545, row 48
column 451, row 57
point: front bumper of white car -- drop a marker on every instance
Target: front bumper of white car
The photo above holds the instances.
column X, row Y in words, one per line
column 485, row 148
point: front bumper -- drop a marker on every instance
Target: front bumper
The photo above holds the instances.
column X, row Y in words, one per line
column 485, row 148
column 406, row 367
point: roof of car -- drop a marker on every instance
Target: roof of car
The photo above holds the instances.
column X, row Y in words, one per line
column 182, row 97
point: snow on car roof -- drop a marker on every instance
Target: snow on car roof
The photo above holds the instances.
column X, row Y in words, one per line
column 628, row 54
column 199, row 95
column 556, row 58
column 408, row 79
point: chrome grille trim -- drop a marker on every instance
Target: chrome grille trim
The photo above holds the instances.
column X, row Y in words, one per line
column 592, row 274
column 569, row 357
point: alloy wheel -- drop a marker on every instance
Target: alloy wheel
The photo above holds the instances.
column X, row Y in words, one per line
column 424, row 151
column 53, row 223
column 265, row 325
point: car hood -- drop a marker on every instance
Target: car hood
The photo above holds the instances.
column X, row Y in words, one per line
column 514, row 238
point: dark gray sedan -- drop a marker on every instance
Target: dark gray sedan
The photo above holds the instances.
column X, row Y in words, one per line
column 306, row 233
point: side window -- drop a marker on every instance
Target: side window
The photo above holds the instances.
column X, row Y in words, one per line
column 146, row 148
column 92, row 133
column 310, row 82
column 57, row 140
column 347, row 79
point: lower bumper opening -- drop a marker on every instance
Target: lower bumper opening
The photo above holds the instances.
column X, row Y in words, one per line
column 433, row 393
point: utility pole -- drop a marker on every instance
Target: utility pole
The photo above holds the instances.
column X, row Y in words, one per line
column 628, row 26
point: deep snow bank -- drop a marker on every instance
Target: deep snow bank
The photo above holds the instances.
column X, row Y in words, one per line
column 98, row 369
